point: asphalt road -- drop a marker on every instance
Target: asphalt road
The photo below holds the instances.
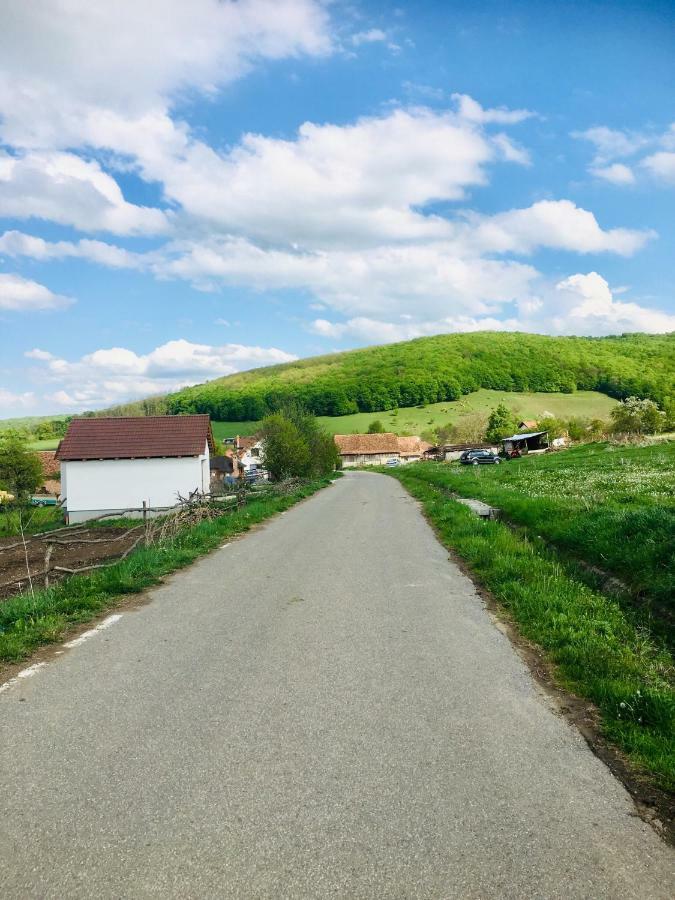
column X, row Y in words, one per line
column 321, row 709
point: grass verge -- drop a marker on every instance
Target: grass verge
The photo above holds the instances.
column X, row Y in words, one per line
column 27, row 621
column 595, row 650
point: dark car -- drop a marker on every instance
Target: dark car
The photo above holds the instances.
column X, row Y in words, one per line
column 479, row 457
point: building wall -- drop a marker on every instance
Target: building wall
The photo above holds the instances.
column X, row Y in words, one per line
column 92, row 487
column 367, row 459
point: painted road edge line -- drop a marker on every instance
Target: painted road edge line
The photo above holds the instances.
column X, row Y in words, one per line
column 106, row 623
column 24, row 673
column 31, row 670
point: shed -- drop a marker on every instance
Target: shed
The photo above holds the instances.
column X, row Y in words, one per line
column 110, row 465
column 530, row 442
column 367, row 449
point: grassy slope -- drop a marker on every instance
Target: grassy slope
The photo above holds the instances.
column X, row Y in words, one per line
column 28, row 621
column 582, row 404
column 438, row 368
column 611, row 506
column 595, row 649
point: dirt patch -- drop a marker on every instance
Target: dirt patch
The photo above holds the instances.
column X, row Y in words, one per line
column 83, row 547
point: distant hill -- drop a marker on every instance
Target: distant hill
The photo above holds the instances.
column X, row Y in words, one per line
column 440, row 368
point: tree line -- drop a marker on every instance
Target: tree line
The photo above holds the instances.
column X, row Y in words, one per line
column 441, row 368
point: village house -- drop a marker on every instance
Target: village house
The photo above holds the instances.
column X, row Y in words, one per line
column 367, row 449
column 413, row 448
column 111, row 465
column 530, row 442
column 379, row 449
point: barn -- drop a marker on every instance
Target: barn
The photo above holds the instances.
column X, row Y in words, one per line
column 110, row 465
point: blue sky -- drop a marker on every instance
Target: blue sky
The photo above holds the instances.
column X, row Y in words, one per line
column 187, row 190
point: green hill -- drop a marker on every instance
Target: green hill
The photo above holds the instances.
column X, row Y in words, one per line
column 438, row 369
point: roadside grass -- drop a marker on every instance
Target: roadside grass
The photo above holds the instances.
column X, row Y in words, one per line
column 414, row 419
column 28, row 621
column 611, row 506
column 596, row 651
column 34, row 520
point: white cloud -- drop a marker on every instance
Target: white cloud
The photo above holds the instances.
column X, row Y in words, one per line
column 472, row 111
column 558, row 224
column 116, row 374
column 67, row 189
column 59, row 64
column 16, row 244
column 332, row 186
column 661, row 165
column 432, row 278
column 580, row 304
column 372, row 36
column 586, row 306
column 616, row 173
column 10, row 401
column 19, row 294
column 611, row 143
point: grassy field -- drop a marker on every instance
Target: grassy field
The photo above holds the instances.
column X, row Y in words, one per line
column 609, row 505
column 413, row 419
column 32, row 520
column 596, row 649
column 48, row 444
column 27, row 621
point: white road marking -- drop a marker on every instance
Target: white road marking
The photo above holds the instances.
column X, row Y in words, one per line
column 24, row 673
column 106, row 623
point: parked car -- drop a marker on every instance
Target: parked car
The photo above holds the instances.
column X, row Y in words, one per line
column 393, row 462
column 43, row 500
column 479, row 457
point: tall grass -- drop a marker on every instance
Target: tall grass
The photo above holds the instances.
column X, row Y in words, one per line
column 595, row 649
column 28, row 621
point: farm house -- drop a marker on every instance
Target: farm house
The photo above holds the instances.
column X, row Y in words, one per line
column 111, row 465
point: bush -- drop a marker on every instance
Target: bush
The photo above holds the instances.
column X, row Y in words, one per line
column 635, row 416
column 295, row 446
column 20, row 468
column 376, row 427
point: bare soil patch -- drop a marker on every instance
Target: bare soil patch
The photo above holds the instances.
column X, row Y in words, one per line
column 71, row 550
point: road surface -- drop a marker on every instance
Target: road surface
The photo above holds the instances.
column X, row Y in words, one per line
column 320, row 709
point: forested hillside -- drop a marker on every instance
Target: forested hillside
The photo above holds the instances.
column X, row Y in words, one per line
column 444, row 367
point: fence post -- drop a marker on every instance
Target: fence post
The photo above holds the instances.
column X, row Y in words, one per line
column 48, row 556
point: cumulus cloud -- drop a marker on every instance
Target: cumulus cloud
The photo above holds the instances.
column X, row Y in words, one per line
column 616, row 173
column 332, row 185
column 472, row 111
column 59, row 66
column 661, row 165
column 580, row 304
column 65, row 188
column 18, row 244
column 558, row 224
column 18, row 294
column 116, row 374
column 611, row 144
column 12, row 402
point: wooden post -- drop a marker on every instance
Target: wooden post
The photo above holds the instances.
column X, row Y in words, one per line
column 48, row 556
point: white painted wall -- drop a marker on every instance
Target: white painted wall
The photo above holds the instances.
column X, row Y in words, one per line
column 103, row 485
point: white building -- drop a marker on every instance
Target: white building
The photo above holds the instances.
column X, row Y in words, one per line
column 115, row 464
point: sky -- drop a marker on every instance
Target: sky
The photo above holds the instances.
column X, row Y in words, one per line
column 192, row 189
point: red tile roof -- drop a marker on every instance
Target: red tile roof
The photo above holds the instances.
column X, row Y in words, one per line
column 413, row 446
column 136, row 437
column 364, row 444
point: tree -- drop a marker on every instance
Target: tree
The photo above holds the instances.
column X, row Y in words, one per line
column 295, row 446
column 501, row 423
column 376, row 427
column 20, row 468
column 635, row 416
